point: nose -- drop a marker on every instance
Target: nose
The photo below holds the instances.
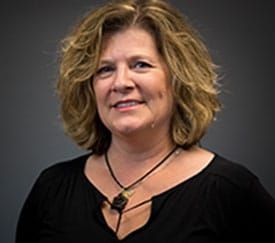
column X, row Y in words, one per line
column 122, row 80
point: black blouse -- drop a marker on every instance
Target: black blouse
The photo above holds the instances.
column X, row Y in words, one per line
column 223, row 203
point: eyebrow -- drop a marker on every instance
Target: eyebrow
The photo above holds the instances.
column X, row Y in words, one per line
column 131, row 58
column 106, row 61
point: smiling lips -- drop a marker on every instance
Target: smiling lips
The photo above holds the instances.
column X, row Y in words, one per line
column 127, row 104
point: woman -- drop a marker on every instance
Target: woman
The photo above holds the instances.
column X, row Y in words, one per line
column 138, row 89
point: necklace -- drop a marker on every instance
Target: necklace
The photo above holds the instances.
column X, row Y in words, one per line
column 120, row 201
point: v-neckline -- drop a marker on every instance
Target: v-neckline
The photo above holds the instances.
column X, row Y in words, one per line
column 155, row 199
column 103, row 196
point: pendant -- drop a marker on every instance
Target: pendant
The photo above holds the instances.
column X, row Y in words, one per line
column 120, row 201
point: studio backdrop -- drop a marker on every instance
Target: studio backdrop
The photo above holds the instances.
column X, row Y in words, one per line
column 239, row 34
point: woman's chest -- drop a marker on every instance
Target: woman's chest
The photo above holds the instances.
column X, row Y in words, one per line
column 177, row 216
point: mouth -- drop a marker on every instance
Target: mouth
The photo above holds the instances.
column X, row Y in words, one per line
column 127, row 103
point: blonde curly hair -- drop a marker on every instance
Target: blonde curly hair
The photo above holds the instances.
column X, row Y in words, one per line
column 194, row 83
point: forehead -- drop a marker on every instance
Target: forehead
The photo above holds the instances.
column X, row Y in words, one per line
column 130, row 40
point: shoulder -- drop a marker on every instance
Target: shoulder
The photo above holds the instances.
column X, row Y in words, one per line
column 232, row 179
column 52, row 185
column 240, row 186
column 232, row 173
column 62, row 169
column 235, row 191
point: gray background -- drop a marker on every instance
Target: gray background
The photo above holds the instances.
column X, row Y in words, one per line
column 239, row 34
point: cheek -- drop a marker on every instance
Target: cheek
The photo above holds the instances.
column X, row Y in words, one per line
column 164, row 90
column 100, row 104
column 100, row 92
column 97, row 96
column 162, row 94
column 165, row 97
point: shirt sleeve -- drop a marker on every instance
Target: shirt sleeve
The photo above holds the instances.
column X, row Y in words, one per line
column 261, row 213
column 29, row 221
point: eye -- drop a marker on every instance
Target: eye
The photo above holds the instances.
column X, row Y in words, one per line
column 104, row 71
column 141, row 65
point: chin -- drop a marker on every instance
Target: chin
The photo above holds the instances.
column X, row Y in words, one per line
column 129, row 128
column 126, row 130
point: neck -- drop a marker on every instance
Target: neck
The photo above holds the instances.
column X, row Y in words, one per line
column 133, row 151
column 132, row 163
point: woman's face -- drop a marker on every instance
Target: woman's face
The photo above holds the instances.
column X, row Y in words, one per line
column 131, row 84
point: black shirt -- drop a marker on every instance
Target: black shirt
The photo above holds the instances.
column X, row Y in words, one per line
column 223, row 203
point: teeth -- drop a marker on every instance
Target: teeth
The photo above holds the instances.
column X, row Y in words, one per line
column 126, row 104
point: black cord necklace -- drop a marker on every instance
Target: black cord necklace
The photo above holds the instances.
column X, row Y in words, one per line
column 120, row 201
